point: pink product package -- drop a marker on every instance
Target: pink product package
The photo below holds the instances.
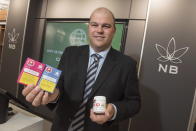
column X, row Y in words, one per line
column 32, row 69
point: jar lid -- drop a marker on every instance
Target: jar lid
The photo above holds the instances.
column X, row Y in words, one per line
column 100, row 97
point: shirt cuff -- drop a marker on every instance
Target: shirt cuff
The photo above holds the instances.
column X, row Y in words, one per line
column 115, row 112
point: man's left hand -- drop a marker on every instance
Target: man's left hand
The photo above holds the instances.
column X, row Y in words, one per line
column 100, row 119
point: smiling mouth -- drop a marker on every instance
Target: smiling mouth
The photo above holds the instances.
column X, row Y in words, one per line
column 99, row 37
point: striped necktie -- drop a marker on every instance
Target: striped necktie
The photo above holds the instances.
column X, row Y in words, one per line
column 78, row 121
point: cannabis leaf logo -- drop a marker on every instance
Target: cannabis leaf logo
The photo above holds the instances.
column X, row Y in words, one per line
column 170, row 53
column 13, row 36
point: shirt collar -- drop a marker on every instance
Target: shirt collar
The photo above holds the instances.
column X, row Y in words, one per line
column 103, row 54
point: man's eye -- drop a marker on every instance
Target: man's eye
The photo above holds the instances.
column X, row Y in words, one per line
column 94, row 25
column 106, row 26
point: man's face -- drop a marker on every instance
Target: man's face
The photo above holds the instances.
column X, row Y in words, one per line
column 101, row 30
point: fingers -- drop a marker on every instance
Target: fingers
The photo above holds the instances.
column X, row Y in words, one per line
column 27, row 89
column 38, row 99
column 37, row 96
column 32, row 94
column 45, row 99
column 92, row 115
column 99, row 119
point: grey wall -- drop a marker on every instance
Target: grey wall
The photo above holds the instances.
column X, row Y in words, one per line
column 83, row 8
column 135, row 33
column 167, row 95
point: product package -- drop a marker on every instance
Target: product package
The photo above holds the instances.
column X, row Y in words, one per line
column 49, row 79
column 37, row 73
column 31, row 72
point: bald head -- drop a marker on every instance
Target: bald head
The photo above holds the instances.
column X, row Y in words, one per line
column 104, row 12
column 101, row 29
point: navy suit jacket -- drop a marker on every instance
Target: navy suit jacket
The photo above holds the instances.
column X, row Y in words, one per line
column 117, row 81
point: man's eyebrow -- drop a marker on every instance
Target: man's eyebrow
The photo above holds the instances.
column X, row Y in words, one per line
column 100, row 24
column 106, row 24
column 93, row 22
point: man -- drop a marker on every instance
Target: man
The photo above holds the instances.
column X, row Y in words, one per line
column 88, row 71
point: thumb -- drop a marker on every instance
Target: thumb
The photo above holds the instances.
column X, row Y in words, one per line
column 54, row 96
column 110, row 110
column 107, row 114
column 107, row 111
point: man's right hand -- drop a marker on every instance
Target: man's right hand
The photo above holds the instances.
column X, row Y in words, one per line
column 37, row 96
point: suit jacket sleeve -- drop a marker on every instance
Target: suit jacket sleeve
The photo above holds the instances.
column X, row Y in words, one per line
column 130, row 105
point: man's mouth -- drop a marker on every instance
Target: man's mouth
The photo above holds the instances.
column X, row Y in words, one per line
column 99, row 37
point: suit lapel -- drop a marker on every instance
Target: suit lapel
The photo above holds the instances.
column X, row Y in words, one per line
column 106, row 69
column 82, row 67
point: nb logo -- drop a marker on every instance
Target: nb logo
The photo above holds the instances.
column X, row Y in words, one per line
column 170, row 53
column 13, row 37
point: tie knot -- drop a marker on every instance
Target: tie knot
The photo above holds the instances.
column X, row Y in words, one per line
column 96, row 57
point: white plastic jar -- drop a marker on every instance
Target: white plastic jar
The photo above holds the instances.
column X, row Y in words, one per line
column 99, row 104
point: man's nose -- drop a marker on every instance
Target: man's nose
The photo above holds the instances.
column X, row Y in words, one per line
column 100, row 29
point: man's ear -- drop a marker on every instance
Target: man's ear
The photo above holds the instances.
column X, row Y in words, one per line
column 114, row 28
